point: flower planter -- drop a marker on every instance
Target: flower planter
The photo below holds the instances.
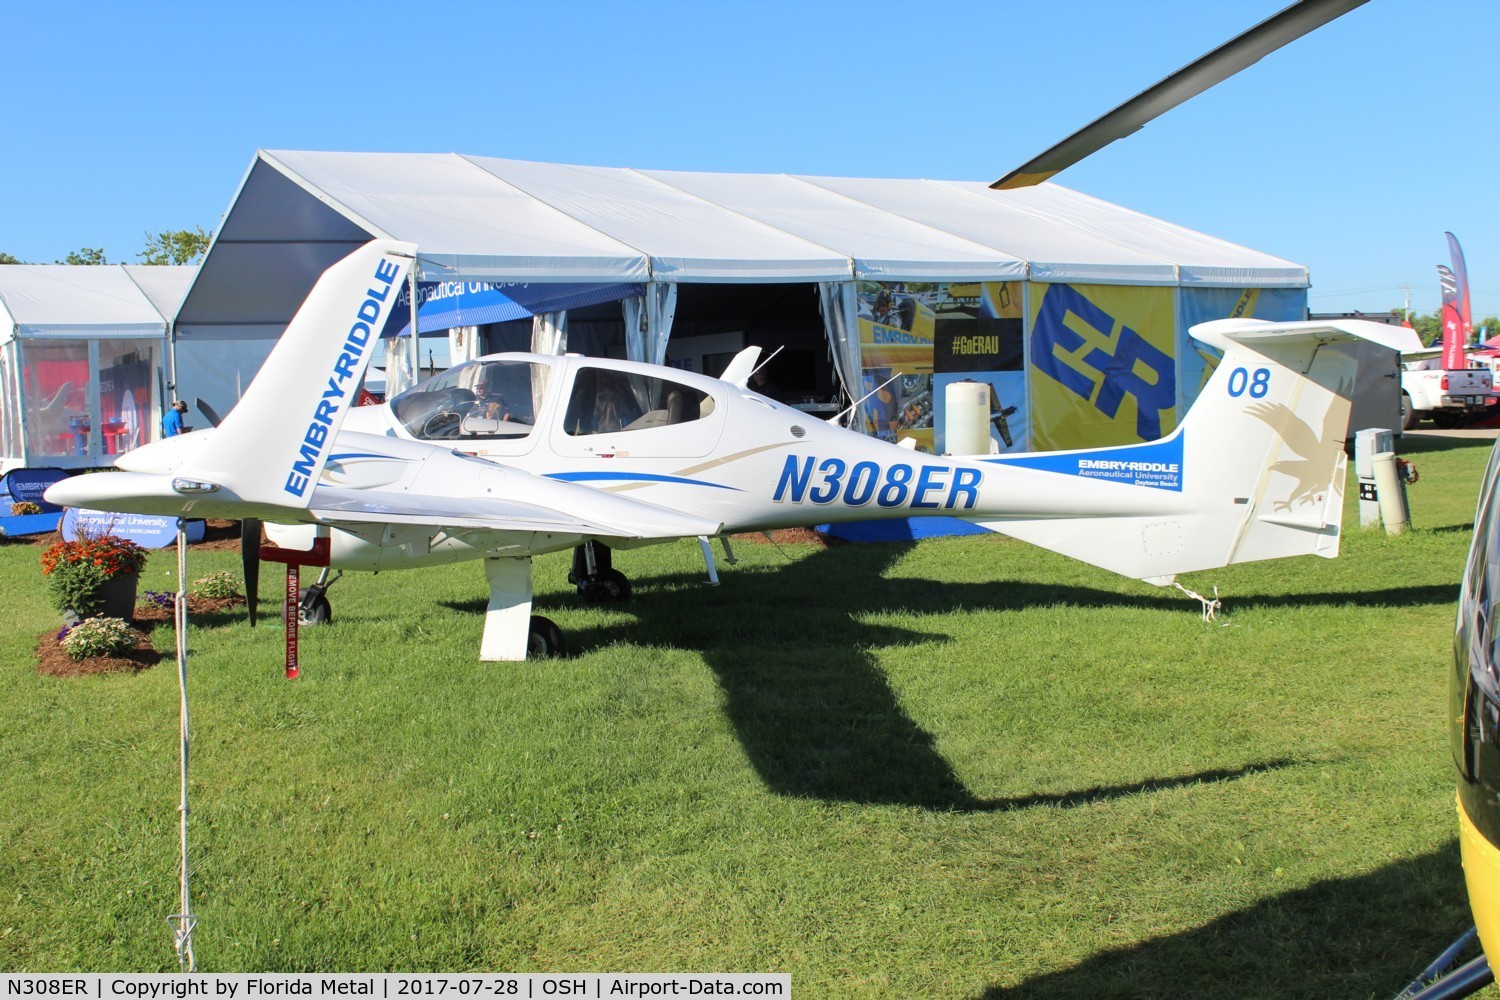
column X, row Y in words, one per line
column 118, row 595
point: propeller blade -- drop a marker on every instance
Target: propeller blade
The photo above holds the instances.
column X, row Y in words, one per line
column 209, row 413
column 1193, row 79
column 250, row 561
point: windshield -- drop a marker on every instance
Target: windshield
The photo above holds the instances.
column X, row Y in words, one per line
column 477, row 400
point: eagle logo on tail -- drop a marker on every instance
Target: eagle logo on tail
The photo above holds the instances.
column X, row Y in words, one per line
column 1314, row 464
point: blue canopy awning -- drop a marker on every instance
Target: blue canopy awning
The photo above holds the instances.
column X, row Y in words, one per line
column 442, row 305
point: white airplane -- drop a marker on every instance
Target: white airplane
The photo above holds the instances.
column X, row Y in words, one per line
column 514, row 455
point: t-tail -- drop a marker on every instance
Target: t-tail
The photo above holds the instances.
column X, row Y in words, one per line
column 269, row 451
column 1255, row 470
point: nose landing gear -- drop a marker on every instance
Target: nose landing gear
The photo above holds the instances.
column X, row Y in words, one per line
column 313, row 608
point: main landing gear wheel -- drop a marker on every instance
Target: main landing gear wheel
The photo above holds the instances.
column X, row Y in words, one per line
column 594, row 575
column 545, row 639
column 606, row 587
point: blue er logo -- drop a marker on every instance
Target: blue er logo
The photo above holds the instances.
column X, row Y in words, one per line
column 1137, row 368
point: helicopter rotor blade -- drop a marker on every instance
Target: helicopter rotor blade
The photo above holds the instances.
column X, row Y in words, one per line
column 1193, row 79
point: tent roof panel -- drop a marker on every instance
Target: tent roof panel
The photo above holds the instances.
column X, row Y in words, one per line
column 507, row 220
column 272, row 205
column 1053, row 248
column 77, row 300
column 687, row 237
column 1201, row 259
column 882, row 245
column 454, row 210
column 165, row 286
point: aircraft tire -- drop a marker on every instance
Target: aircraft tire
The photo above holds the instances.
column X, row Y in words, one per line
column 545, row 639
column 608, row 587
column 320, row 612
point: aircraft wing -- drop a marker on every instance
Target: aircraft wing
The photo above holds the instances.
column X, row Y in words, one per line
column 558, row 507
column 585, row 511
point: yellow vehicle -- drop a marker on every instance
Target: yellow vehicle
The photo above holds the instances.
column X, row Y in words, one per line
column 1474, row 726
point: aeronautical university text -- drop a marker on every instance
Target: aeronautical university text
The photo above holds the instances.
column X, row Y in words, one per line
column 346, row 369
column 1157, row 465
column 1160, row 474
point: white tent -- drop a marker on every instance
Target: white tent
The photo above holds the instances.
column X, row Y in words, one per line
column 82, row 358
column 481, row 219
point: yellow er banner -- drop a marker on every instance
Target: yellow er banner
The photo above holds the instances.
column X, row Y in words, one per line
column 1103, row 365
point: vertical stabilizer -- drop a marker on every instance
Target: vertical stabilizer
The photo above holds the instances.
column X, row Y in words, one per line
column 271, row 448
column 1255, row 471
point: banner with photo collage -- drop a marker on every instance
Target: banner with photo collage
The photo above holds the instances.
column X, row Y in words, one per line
column 917, row 337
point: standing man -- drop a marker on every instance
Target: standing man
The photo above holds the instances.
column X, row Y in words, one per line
column 760, row 382
column 171, row 424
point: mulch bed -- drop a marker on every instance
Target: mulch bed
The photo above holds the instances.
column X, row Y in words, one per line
column 148, row 616
column 219, row 534
column 788, row 536
column 53, row 661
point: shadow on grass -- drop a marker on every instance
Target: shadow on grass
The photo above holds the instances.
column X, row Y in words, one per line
column 1070, row 800
column 1350, row 937
column 817, row 719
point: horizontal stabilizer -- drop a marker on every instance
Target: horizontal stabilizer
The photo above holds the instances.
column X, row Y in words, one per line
column 161, row 494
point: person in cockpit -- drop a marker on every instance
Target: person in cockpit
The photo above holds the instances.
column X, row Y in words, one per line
column 487, row 405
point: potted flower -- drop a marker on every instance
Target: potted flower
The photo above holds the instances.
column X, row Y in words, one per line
column 96, row 574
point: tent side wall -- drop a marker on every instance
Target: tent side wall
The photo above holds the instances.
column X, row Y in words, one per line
column 12, row 431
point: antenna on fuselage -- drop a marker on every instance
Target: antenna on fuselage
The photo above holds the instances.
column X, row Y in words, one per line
column 765, row 362
column 852, row 406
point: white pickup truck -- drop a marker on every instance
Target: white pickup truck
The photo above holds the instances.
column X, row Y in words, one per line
column 1449, row 398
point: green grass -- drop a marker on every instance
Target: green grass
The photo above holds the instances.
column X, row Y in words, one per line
column 956, row 768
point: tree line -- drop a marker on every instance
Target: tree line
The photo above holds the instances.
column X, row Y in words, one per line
column 1429, row 326
column 173, row 246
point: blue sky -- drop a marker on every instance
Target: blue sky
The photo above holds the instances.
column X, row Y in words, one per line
column 1350, row 151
